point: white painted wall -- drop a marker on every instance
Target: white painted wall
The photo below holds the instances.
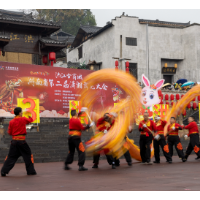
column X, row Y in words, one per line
column 164, row 43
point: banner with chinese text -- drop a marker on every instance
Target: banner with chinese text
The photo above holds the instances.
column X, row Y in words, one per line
column 53, row 86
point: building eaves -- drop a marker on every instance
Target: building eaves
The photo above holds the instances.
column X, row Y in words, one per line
column 7, row 16
column 60, row 31
column 163, row 23
column 47, row 40
column 9, row 12
column 101, row 30
column 68, row 39
column 90, row 29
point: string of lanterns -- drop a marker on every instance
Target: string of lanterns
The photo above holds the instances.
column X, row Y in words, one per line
column 170, row 101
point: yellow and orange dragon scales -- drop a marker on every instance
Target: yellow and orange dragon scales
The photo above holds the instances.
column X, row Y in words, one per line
column 114, row 139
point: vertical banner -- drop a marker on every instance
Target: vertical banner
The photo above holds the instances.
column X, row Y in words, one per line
column 76, row 105
column 161, row 110
column 30, row 107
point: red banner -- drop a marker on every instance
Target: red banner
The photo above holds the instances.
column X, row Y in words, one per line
column 53, row 86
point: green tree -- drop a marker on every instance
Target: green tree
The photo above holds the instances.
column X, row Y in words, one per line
column 70, row 19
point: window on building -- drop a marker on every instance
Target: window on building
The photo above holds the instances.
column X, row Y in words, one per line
column 133, row 69
column 80, row 52
column 131, row 41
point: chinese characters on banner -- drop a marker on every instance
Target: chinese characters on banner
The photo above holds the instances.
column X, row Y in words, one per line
column 53, row 86
column 161, row 110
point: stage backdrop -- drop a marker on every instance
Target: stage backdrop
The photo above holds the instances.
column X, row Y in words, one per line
column 53, row 86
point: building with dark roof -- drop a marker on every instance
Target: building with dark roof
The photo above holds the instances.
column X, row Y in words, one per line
column 21, row 34
column 148, row 45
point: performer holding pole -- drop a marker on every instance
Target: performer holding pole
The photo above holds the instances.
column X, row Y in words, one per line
column 74, row 141
column 103, row 125
column 160, row 141
column 146, row 127
column 18, row 147
column 173, row 138
column 194, row 138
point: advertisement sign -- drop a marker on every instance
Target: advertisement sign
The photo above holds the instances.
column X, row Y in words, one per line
column 53, row 86
column 30, row 107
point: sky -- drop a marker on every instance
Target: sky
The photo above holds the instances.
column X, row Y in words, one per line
column 102, row 16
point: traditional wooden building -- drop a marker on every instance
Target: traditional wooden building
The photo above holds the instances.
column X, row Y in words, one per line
column 65, row 37
column 24, row 39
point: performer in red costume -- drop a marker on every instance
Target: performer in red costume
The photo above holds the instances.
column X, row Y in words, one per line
column 18, row 147
column 146, row 138
column 74, row 141
column 103, row 125
column 173, row 138
column 160, row 124
column 194, row 138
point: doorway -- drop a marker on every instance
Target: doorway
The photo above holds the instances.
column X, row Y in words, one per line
column 168, row 78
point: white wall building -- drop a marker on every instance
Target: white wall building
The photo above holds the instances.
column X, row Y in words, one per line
column 146, row 46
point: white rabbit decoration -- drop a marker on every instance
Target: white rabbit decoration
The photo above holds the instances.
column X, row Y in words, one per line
column 149, row 94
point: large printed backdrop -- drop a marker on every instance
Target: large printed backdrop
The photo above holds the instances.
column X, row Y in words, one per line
column 53, row 86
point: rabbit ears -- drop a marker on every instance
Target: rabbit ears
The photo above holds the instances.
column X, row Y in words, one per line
column 158, row 84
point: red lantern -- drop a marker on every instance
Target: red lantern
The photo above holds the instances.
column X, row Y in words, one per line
column 189, row 106
column 166, row 97
column 172, row 97
column 184, row 113
column 182, row 95
column 127, row 67
column 167, row 103
column 177, row 97
column 161, row 96
column 116, row 63
column 52, row 57
column 194, row 105
column 172, row 103
column 161, row 102
column 194, row 99
column 198, row 98
column 159, row 93
column 45, row 60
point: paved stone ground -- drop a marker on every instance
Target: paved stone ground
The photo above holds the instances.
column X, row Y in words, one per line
column 51, row 177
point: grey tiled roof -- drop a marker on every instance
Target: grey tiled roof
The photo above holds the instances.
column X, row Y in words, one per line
column 48, row 40
column 73, row 64
column 163, row 23
column 69, row 39
column 20, row 17
column 90, row 29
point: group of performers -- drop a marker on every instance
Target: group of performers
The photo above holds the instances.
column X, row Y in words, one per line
column 149, row 131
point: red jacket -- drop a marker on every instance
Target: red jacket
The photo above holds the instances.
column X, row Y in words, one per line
column 75, row 127
column 17, row 126
column 150, row 124
column 177, row 128
column 160, row 126
column 193, row 128
column 103, row 125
